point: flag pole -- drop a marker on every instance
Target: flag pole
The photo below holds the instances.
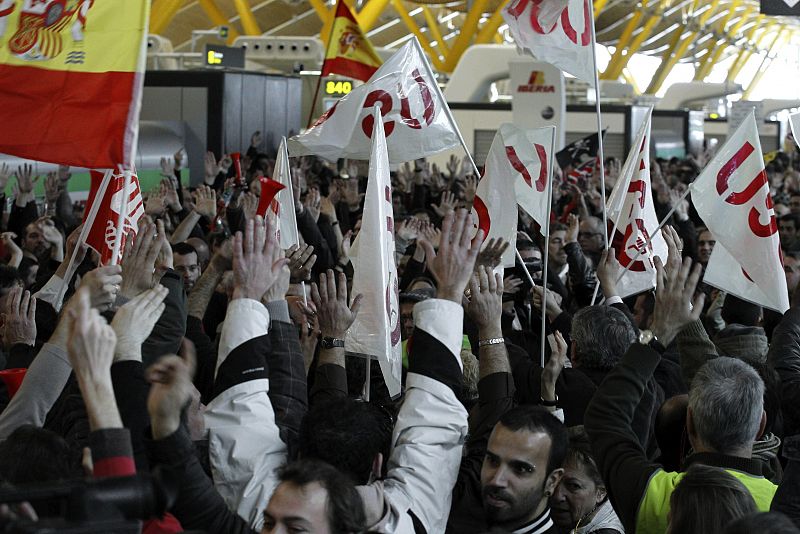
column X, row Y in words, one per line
column 547, row 243
column 87, row 225
column 445, row 106
column 121, row 216
column 599, row 121
column 322, row 68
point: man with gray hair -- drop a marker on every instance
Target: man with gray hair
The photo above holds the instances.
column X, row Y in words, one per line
column 725, row 414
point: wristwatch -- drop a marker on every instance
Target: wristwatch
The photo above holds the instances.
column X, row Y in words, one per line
column 647, row 337
column 332, row 342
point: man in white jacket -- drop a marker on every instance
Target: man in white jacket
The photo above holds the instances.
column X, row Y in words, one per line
column 426, row 446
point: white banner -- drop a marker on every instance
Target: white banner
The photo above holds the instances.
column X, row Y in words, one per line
column 286, row 217
column 412, row 106
column 732, row 197
column 376, row 330
column 556, row 31
column 630, row 208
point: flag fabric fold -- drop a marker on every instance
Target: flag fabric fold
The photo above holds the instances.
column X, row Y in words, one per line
column 286, row 219
column 71, row 78
column 632, row 216
column 556, row 31
column 376, row 330
column 517, row 172
column 103, row 228
column 732, row 197
column 412, row 107
column 349, row 52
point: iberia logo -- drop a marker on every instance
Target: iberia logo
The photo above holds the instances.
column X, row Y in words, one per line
column 349, row 42
column 41, row 25
column 536, row 84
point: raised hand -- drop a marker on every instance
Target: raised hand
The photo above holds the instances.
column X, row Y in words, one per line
column 553, row 301
column 171, row 388
column 249, row 204
column 166, row 168
column 5, row 174
column 301, row 261
column 52, row 188
column 552, row 369
column 452, row 266
column 205, row 202
column 103, row 284
column 91, row 352
column 138, row 263
column 312, row 203
column 573, row 228
column 608, row 272
column 486, row 298
column 257, row 261
column 330, row 298
column 134, row 322
column 676, row 304
column 447, row 203
column 492, row 253
column 19, row 318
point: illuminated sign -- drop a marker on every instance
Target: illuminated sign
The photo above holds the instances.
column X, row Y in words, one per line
column 338, row 87
column 224, row 56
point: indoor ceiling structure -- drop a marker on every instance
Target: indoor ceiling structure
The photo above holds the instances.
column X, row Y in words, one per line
column 701, row 32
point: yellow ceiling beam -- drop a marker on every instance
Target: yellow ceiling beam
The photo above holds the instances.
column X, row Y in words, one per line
column 217, row 18
column 764, row 65
column 744, row 56
column 598, row 7
column 489, row 28
column 621, row 52
column 162, row 13
column 433, row 27
column 249, row 24
column 468, row 29
column 675, row 53
column 715, row 50
column 370, row 12
column 415, row 29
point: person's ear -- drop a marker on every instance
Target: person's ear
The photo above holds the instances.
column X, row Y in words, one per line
column 553, row 479
column 762, row 425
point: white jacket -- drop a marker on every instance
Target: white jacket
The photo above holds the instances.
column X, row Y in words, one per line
column 427, row 442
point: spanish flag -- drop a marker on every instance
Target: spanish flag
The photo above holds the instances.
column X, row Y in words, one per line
column 71, row 74
column 349, row 51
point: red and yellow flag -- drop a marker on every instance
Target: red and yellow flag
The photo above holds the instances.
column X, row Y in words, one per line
column 71, row 74
column 349, row 51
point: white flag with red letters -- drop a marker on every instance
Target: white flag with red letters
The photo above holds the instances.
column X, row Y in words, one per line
column 732, row 197
column 376, row 330
column 412, row 106
column 631, row 210
column 285, row 216
column 517, row 172
column 556, row 31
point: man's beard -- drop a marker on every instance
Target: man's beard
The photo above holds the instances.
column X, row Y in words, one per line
column 517, row 510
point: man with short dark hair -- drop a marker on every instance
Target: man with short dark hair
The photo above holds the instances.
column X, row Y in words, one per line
column 185, row 262
column 313, row 496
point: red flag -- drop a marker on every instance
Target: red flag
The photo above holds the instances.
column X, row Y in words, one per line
column 269, row 188
column 103, row 229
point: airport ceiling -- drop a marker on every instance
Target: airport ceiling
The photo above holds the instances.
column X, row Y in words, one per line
column 701, row 31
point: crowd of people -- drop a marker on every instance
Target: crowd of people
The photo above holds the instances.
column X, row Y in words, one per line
column 214, row 361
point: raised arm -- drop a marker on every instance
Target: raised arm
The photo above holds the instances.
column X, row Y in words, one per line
column 609, row 417
column 432, row 424
column 245, row 447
